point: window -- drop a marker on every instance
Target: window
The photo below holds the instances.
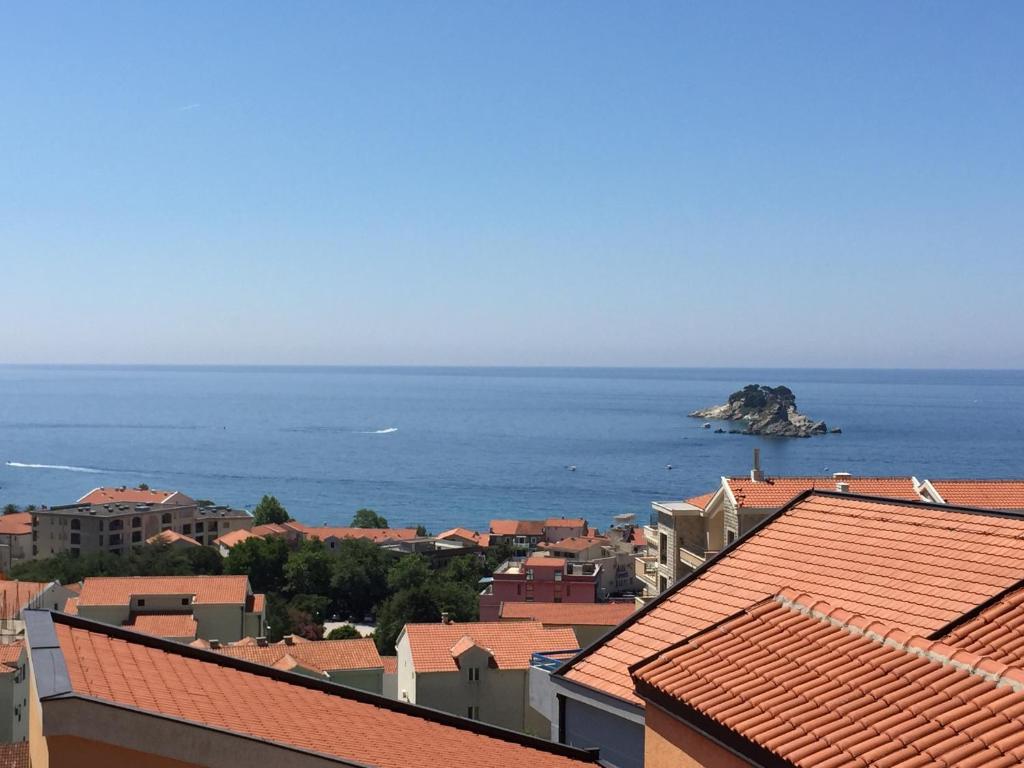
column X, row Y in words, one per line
column 116, row 525
column 141, row 602
column 529, row 574
column 519, row 589
column 663, row 548
column 558, row 575
column 473, row 713
column 76, row 538
column 76, row 524
column 568, row 589
column 474, row 674
column 136, row 522
column 732, row 537
column 101, row 539
column 529, row 598
column 187, row 529
column 165, row 519
column 115, row 539
column 136, row 537
column 184, row 601
column 558, row 599
column 199, row 527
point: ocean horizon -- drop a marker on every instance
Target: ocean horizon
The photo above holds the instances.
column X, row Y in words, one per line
column 455, row 445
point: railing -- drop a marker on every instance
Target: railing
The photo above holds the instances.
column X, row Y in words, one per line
column 691, row 558
column 647, row 569
column 549, row 661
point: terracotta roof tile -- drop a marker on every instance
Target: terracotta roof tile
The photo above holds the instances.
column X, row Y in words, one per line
column 997, row 631
column 15, row 595
column 702, row 500
column 11, row 652
column 170, row 537
column 231, row 538
column 914, row 566
column 169, row 625
column 785, row 675
column 269, row 529
column 376, row 535
column 14, row 755
column 575, row 543
column 319, row 655
column 511, row 643
column 390, row 664
column 118, row 590
column 126, row 495
column 517, row 527
column 565, row 522
column 481, row 539
column 989, row 494
column 71, row 606
column 202, row 688
column 775, row 492
column 542, row 561
column 16, row 524
column 569, row 614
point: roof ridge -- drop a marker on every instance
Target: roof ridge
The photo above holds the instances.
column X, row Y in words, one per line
column 996, row 672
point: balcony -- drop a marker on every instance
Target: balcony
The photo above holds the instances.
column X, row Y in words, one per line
column 690, row 558
column 647, row 570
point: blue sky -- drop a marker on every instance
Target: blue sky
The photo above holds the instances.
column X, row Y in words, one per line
column 792, row 184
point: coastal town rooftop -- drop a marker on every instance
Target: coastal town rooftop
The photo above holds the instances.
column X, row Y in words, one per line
column 435, row 647
column 205, row 590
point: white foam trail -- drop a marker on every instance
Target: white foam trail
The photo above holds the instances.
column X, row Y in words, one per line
column 386, row 431
column 20, row 465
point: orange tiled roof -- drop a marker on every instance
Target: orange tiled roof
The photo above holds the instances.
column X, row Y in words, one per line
column 164, row 624
column 321, row 655
column 543, row 561
column 269, row 529
column 996, row 631
column 14, row 755
column 566, row 614
column 390, row 664
column 11, row 652
column 257, row 603
column 511, row 643
column 231, row 538
column 118, row 590
column 915, row 566
column 210, row 690
column 576, row 543
column 481, row 539
column 15, row 595
column 16, row 524
column 702, row 500
column 125, row 495
column 565, row 522
column 988, row 494
column 170, row 537
column 774, row 492
column 517, row 527
column 815, row 685
column 376, row 535
column 71, row 606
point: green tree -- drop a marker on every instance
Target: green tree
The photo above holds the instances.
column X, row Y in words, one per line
column 279, row 623
column 309, row 570
column 314, row 605
column 421, row 530
column 367, row 518
column 10, row 509
column 344, row 632
column 262, row 560
column 359, row 582
column 143, row 487
column 205, row 561
column 410, row 572
column 269, row 510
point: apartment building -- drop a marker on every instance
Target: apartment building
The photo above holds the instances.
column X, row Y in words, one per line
column 477, row 670
column 180, row 608
column 888, row 562
column 355, row 663
column 15, row 539
column 524, row 536
column 106, row 696
column 116, row 526
column 539, row 579
column 13, row 692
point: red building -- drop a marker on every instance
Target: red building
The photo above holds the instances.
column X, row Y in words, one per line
column 540, row 580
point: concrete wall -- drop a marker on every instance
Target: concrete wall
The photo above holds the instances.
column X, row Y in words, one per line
column 371, row 680
column 500, row 695
column 406, row 675
column 621, row 741
column 671, row 743
column 390, row 685
column 220, row 622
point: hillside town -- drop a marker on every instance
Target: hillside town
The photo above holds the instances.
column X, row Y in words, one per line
column 826, row 621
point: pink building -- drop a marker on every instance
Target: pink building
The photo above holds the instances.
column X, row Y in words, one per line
column 540, row 580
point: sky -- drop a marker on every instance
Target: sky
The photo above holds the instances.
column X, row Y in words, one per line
column 809, row 184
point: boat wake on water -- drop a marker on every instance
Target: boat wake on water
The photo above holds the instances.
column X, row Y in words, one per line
column 385, row 431
column 63, row 467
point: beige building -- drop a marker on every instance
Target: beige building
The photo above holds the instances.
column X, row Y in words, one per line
column 117, row 525
column 13, row 692
column 180, row 608
column 478, row 670
column 355, row 663
column 15, row 539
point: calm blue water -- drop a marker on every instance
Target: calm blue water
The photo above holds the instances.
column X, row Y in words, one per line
column 460, row 446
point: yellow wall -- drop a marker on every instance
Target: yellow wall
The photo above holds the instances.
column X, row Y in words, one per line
column 669, row 743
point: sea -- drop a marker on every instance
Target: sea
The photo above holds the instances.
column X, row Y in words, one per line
column 459, row 446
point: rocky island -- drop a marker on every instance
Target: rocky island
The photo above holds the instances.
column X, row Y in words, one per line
column 767, row 411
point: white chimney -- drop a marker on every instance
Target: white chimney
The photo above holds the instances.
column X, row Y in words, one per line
column 843, row 487
column 756, row 475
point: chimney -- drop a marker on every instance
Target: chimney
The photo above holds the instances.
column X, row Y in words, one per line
column 756, row 475
column 446, row 618
column 843, row 487
column 261, row 641
column 842, row 481
column 289, row 639
column 214, row 644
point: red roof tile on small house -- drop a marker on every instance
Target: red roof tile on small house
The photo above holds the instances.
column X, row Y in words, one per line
column 118, row 590
column 171, row 537
column 989, row 494
column 170, row 625
column 319, row 655
column 806, row 682
column 511, row 643
column 125, row 495
column 517, row 527
column 774, row 492
column 914, row 566
column 569, row 614
column 997, row 631
column 16, row 524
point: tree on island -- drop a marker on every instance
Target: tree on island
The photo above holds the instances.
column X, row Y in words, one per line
column 344, row 632
column 269, row 510
column 367, row 518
